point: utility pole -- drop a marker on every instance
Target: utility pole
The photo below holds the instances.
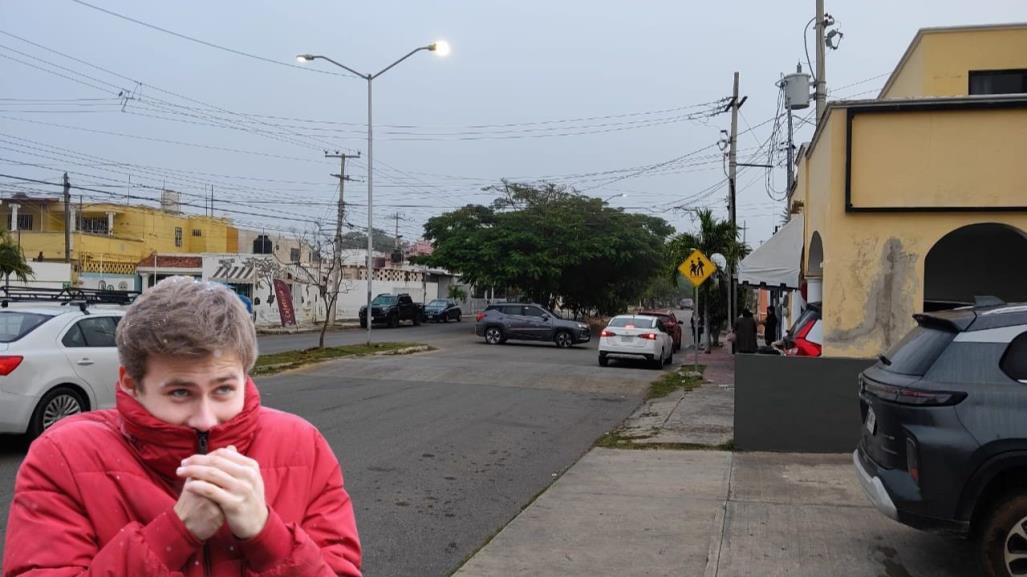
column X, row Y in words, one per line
column 67, row 219
column 398, row 217
column 339, row 218
column 820, row 91
column 732, row 203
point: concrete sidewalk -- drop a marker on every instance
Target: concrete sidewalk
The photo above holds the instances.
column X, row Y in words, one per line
column 658, row 512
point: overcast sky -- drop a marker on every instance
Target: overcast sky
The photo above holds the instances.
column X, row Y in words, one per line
column 609, row 97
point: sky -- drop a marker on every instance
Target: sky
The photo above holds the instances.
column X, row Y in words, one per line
column 618, row 100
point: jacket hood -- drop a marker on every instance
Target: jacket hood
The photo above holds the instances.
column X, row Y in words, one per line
column 162, row 446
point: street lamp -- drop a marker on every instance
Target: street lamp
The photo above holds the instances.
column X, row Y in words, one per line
column 440, row 48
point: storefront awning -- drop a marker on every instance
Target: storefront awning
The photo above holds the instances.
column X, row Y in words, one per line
column 776, row 263
column 236, row 274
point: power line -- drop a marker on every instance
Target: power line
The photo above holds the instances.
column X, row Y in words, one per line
column 209, row 44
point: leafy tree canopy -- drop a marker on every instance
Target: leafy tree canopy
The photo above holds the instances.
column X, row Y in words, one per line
column 554, row 245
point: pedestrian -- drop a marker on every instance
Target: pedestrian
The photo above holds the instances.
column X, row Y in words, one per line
column 189, row 475
column 770, row 326
column 745, row 333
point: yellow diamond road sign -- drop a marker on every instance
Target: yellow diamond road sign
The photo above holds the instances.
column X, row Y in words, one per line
column 697, row 268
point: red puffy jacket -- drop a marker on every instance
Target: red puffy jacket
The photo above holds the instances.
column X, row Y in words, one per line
column 96, row 492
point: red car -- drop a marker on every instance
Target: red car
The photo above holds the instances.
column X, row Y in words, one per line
column 670, row 321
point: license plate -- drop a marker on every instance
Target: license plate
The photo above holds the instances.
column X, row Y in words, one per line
column 871, row 423
column 625, row 339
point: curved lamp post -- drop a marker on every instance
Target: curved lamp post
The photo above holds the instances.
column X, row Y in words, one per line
column 440, row 48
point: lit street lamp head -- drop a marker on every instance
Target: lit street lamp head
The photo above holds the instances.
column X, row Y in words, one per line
column 440, row 47
column 305, row 58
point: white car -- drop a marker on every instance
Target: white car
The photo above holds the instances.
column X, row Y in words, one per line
column 636, row 336
column 55, row 360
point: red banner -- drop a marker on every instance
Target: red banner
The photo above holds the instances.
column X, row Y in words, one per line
column 285, row 303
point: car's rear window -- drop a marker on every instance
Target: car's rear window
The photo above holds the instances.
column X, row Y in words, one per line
column 917, row 351
column 629, row 322
column 15, row 325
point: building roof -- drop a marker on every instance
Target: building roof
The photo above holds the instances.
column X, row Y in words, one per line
column 941, row 30
column 171, row 261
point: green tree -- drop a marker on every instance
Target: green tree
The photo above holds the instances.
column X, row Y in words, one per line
column 553, row 245
column 713, row 236
column 12, row 260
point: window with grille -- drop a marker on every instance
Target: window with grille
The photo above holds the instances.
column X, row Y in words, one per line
column 197, row 232
column 178, row 236
column 24, row 222
column 93, row 224
column 294, row 255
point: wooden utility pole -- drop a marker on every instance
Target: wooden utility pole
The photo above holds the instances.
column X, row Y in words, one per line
column 339, row 218
column 67, row 219
column 732, row 201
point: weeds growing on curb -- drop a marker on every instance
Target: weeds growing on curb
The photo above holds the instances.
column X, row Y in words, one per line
column 277, row 362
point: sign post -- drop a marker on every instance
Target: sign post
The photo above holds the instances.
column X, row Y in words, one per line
column 697, row 268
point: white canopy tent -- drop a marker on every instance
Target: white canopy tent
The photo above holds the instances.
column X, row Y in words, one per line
column 776, row 263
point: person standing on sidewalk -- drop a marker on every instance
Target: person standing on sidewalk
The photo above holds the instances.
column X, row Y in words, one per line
column 745, row 333
column 770, row 326
column 189, row 474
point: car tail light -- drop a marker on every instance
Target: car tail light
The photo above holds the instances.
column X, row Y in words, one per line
column 607, row 333
column 479, row 316
column 803, row 347
column 913, row 459
column 8, row 364
column 908, row 396
column 648, row 336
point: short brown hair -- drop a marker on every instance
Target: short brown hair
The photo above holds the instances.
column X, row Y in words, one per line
column 183, row 317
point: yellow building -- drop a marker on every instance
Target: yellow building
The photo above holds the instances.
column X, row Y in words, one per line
column 108, row 240
column 917, row 200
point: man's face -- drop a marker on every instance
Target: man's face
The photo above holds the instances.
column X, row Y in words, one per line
column 188, row 392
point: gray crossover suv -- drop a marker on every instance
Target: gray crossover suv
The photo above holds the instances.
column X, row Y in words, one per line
column 943, row 445
column 528, row 322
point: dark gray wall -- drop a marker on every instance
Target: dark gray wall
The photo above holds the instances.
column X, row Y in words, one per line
column 800, row 405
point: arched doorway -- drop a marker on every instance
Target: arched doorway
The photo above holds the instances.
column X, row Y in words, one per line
column 977, row 260
column 815, row 269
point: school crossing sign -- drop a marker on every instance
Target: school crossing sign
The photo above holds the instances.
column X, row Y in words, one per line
column 697, row 268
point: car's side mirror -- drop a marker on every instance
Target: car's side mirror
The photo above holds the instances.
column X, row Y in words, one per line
column 545, row 317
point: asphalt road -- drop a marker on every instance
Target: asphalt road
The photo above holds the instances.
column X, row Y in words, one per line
column 440, row 450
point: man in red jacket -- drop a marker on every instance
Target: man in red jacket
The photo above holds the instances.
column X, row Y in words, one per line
column 189, row 475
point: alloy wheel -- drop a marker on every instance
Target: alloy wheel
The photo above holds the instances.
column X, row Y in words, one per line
column 61, row 406
column 1015, row 550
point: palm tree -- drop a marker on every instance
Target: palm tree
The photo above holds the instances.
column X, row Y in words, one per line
column 714, row 236
column 12, row 260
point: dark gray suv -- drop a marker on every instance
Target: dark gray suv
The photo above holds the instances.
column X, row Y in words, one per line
column 943, row 445
column 528, row 322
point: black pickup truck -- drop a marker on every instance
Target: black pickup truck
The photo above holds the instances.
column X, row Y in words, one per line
column 391, row 309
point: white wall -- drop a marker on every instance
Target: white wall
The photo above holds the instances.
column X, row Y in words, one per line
column 48, row 275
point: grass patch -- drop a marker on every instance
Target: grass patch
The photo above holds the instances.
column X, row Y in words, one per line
column 682, row 379
column 277, row 362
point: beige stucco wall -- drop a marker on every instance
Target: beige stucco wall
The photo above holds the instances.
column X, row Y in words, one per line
column 973, row 158
column 940, row 60
column 873, row 267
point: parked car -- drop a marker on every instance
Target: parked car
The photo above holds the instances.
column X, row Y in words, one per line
column 636, row 336
column 392, row 310
column 943, row 445
column 806, row 337
column 55, row 361
column 442, row 310
column 528, row 322
column 670, row 321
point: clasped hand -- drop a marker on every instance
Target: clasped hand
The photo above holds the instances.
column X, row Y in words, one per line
column 222, row 487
